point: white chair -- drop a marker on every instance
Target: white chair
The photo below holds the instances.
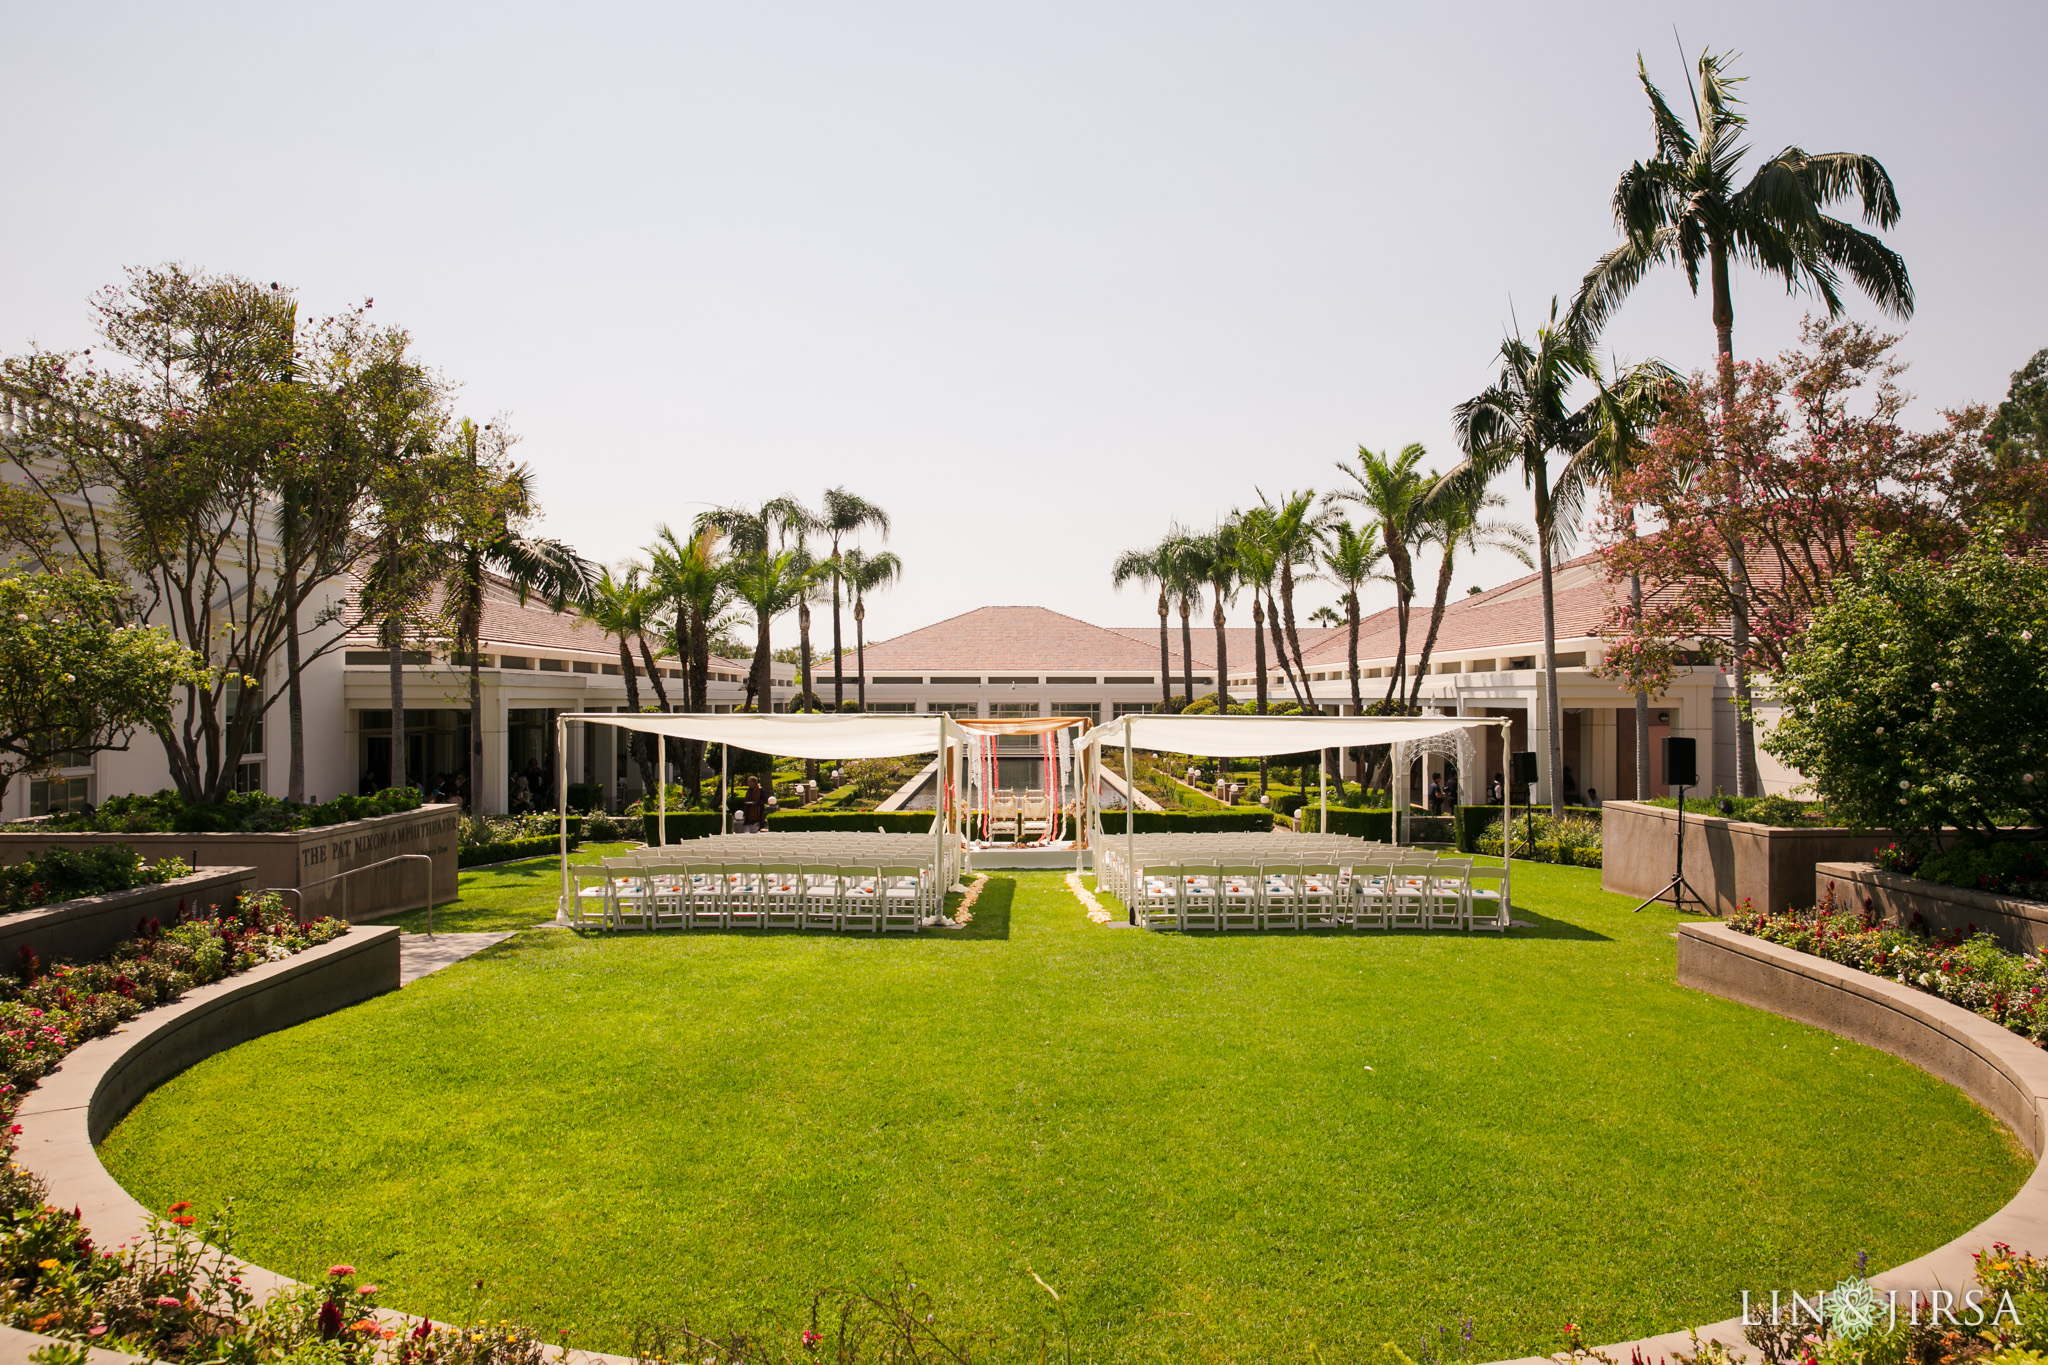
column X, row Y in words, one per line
column 591, row 896
column 668, row 895
column 823, row 893
column 1319, row 895
column 782, row 896
column 1159, row 903
column 860, row 905
column 1450, row 905
column 1201, row 900
column 1371, row 895
column 628, row 891
column 901, row 892
column 1241, row 889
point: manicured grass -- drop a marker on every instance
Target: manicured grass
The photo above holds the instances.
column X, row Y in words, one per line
column 1216, row 1148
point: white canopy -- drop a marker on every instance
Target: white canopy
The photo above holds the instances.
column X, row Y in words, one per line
column 792, row 736
column 1254, row 736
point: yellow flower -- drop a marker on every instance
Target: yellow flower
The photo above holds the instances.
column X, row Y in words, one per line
column 49, row 1265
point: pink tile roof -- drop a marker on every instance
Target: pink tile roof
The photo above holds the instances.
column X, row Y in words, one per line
column 1014, row 640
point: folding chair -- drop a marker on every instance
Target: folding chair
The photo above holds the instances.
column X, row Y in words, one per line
column 782, row 896
column 1318, row 896
column 1241, row 889
column 823, row 894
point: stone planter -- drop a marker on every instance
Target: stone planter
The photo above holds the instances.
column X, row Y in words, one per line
column 311, row 860
column 2021, row 926
column 91, row 926
column 1726, row 861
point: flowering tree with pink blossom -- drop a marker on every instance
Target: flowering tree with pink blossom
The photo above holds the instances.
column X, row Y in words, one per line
column 1753, row 503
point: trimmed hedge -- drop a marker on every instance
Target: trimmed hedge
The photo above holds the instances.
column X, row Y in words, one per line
column 851, row 821
column 1237, row 820
column 682, row 824
column 507, row 850
column 1473, row 820
column 585, row 796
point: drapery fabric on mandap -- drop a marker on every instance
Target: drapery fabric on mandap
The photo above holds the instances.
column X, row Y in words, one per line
column 1258, row 736
column 786, row 736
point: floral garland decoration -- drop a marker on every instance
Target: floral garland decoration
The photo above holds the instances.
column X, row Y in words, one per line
column 964, row 916
column 1088, row 902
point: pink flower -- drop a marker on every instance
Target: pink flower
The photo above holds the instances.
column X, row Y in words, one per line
column 166, row 1301
column 341, row 1270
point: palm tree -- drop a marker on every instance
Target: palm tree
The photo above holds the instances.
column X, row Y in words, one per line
column 1150, row 566
column 1256, row 568
column 815, row 576
column 1182, row 563
column 1325, row 617
column 843, row 514
column 764, row 573
column 1452, row 521
column 492, row 504
column 1391, row 490
column 1294, row 523
column 1524, row 418
column 1684, row 207
column 691, row 577
column 1214, row 555
column 1352, row 556
column 865, row 573
column 619, row 605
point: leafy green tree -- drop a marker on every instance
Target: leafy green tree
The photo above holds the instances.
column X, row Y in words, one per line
column 864, row 573
column 219, row 413
column 1524, row 419
column 1918, row 697
column 73, row 682
column 691, row 577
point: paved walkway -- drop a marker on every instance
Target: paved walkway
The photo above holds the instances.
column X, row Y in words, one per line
column 420, row 956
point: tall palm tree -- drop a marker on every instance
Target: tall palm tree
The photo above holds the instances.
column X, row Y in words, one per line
column 491, row 507
column 865, row 573
column 1294, row 522
column 1391, row 490
column 1684, row 207
column 1182, row 562
column 1214, row 554
column 1526, row 417
column 816, row 575
column 1149, row 566
column 765, row 573
column 691, row 576
column 619, row 605
column 1256, row 568
column 1351, row 556
column 842, row 514
column 1455, row 519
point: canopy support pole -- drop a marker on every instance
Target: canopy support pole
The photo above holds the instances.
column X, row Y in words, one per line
column 661, row 786
column 939, row 821
column 1397, row 796
column 724, row 788
column 1507, row 825
column 1131, row 833
column 1323, row 774
column 561, row 813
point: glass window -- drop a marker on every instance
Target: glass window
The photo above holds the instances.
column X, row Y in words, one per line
column 232, row 703
column 999, row 709
column 54, row 795
column 1092, row 710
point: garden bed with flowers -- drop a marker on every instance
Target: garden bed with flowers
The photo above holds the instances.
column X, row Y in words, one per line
column 62, row 874
column 1970, row 970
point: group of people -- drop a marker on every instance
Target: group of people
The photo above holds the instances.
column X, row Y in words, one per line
column 445, row 787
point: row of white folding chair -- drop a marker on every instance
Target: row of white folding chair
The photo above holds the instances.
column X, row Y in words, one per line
column 756, row 893
column 1407, row 893
column 1249, row 895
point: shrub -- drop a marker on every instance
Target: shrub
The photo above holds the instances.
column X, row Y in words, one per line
column 62, row 874
column 1780, row 811
column 166, row 812
column 507, row 850
column 586, row 796
column 1918, row 699
column 688, row 824
column 1572, row 841
column 1473, row 820
column 2005, row 868
column 1236, row 820
column 863, row 821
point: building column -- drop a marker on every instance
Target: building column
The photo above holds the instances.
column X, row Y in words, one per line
column 1539, row 743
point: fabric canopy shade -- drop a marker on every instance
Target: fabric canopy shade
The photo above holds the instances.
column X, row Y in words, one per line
column 1258, row 736
column 798, row 736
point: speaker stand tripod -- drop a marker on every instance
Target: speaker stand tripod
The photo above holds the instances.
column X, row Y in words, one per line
column 1678, row 888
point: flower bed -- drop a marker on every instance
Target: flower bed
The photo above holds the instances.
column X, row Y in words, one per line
column 1971, row 971
column 62, row 874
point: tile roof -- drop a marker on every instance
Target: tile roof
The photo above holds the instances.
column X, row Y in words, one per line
column 999, row 639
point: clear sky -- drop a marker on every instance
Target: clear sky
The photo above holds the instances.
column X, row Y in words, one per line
column 1038, row 278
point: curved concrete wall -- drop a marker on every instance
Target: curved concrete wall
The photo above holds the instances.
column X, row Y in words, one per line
column 1992, row 1065
column 93, row 926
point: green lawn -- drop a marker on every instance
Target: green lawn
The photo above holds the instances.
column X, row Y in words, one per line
column 1217, row 1148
